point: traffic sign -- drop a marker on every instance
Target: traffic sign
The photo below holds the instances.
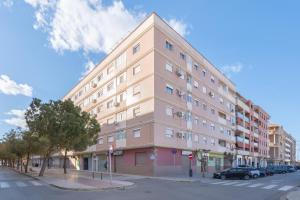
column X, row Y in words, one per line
column 191, row 156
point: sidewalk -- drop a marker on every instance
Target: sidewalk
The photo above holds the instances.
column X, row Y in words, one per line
column 295, row 195
column 71, row 181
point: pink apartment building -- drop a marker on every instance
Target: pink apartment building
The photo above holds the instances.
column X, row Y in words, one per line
column 252, row 140
column 159, row 100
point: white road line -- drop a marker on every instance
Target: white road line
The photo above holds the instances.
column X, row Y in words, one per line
column 231, row 183
column 35, row 183
column 242, row 184
column 4, row 185
column 255, row 185
column 20, row 184
column 218, row 183
column 286, row 188
column 269, row 187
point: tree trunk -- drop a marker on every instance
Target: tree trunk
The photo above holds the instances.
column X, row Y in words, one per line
column 65, row 162
column 21, row 164
column 44, row 164
column 27, row 162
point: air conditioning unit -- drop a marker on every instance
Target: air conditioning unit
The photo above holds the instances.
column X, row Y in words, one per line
column 180, row 93
column 116, row 104
column 179, row 72
column 179, row 134
column 94, row 100
column 94, row 85
column 180, row 114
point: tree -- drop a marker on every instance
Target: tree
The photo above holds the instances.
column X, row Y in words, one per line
column 43, row 119
column 78, row 129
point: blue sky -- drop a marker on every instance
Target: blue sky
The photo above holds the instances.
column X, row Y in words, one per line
column 44, row 51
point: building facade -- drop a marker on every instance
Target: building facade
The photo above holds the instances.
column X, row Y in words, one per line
column 158, row 100
column 252, row 141
column 282, row 146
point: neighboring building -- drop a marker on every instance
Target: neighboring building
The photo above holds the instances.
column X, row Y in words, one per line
column 252, row 146
column 157, row 100
column 282, row 146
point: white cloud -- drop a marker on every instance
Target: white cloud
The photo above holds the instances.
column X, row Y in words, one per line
column 8, row 3
column 88, row 26
column 10, row 87
column 179, row 26
column 230, row 70
column 17, row 118
column 89, row 66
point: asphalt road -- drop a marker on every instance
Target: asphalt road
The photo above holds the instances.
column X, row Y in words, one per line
column 14, row 186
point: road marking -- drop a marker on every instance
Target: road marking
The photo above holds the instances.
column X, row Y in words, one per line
column 255, row 185
column 231, row 183
column 269, row 187
column 4, row 185
column 242, row 184
column 286, row 188
column 21, row 184
column 217, row 183
column 35, row 183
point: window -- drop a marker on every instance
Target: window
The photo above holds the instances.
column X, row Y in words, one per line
column 196, row 84
column 136, row 90
column 222, row 130
column 136, row 48
column 196, row 138
column 204, row 123
column 212, row 111
column 204, row 72
column 110, row 120
column 100, row 93
column 122, row 78
column 212, row 79
column 204, row 90
column 182, row 56
column 204, row 106
column 122, row 97
column 189, row 79
column 169, row 67
column 136, row 133
column 222, row 100
column 99, row 77
column 100, row 141
column 136, row 111
column 212, row 127
column 196, row 66
column 109, row 104
column 169, row 89
column 121, row 116
column 110, row 86
column 169, row 46
column 120, row 135
column 99, row 108
column 110, row 70
column 136, row 69
column 169, row 111
column 196, row 102
column 196, row 120
column 121, row 60
column 110, row 139
column 140, row 158
column 169, row 133
column 212, row 142
column 204, row 140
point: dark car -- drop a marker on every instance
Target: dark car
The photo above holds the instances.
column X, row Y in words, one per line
column 234, row 173
column 280, row 169
column 264, row 171
column 291, row 169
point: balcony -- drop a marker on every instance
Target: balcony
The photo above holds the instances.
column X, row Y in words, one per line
column 255, row 144
column 242, row 129
column 222, row 121
column 243, row 105
column 243, row 153
column 255, row 135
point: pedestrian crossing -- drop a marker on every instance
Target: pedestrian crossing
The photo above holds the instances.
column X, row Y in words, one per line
column 20, row 184
column 250, row 184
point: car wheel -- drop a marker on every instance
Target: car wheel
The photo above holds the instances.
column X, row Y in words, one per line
column 255, row 176
column 223, row 177
column 246, row 177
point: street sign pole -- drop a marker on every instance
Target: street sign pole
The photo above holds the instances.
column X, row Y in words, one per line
column 110, row 152
column 190, row 167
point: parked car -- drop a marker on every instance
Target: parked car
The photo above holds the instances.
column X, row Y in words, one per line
column 233, row 173
column 298, row 167
column 291, row 169
column 264, row 171
column 254, row 172
column 280, row 169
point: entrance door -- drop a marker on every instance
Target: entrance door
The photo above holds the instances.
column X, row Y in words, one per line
column 85, row 164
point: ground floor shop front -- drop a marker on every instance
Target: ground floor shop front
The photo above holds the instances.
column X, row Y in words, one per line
column 153, row 161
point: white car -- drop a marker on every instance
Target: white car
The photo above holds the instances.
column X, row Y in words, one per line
column 253, row 171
